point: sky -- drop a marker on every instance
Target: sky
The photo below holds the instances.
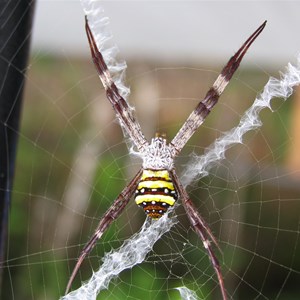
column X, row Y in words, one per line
column 175, row 30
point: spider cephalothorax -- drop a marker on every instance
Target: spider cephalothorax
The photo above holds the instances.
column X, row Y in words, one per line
column 158, row 154
column 156, row 186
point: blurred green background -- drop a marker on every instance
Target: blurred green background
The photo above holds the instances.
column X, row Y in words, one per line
column 72, row 162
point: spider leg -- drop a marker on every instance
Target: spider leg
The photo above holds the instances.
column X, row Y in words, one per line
column 201, row 228
column 121, row 107
column 110, row 215
column 204, row 107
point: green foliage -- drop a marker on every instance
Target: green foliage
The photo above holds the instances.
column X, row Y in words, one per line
column 255, row 221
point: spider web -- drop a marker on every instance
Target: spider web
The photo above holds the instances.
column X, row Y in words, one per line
column 73, row 161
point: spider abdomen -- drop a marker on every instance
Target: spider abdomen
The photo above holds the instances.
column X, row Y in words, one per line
column 155, row 192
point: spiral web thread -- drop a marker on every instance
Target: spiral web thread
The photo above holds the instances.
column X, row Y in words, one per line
column 199, row 166
column 134, row 250
column 141, row 243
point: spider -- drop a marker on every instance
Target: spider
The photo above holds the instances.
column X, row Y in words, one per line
column 156, row 186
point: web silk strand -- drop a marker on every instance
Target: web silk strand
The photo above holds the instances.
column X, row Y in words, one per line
column 135, row 249
column 99, row 24
column 131, row 253
column 199, row 166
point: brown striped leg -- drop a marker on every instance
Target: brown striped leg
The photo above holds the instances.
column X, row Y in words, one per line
column 199, row 114
column 122, row 109
column 111, row 214
column 201, row 228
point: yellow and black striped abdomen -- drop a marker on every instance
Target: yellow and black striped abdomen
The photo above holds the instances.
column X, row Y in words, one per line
column 155, row 192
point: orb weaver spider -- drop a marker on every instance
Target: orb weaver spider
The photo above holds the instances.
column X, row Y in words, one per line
column 156, row 186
